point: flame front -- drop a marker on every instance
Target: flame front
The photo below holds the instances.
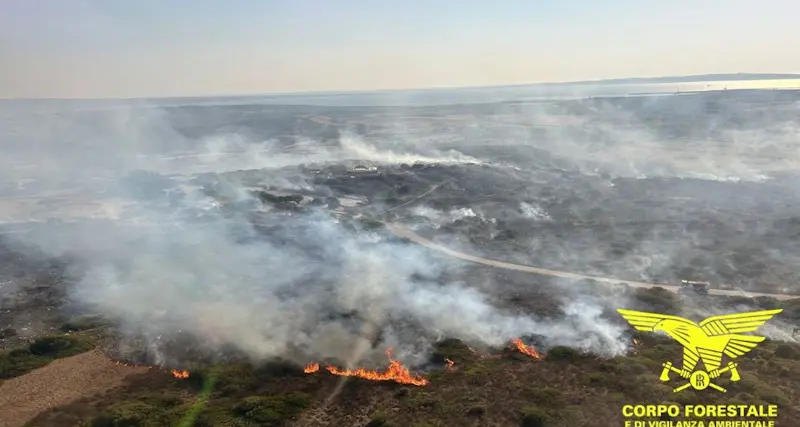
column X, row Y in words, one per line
column 450, row 364
column 180, row 374
column 311, row 368
column 395, row 372
column 635, row 341
column 525, row 349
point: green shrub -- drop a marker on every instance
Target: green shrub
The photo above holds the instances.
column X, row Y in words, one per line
column 544, row 395
column 785, row 351
column 18, row 362
column 743, row 398
column 563, row 353
column 124, row 414
column 476, row 411
column 486, row 367
column 378, row 419
column 41, row 352
column 421, row 401
column 594, row 378
column 272, row 410
column 623, row 366
column 452, row 349
column 59, row 346
column 533, row 417
column 231, row 380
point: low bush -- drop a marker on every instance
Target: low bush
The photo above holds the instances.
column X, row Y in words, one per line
column 59, row 346
column 785, row 351
column 378, row 419
column 272, row 410
column 452, row 349
column 532, row 416
column 563, row 353
column 17, row 362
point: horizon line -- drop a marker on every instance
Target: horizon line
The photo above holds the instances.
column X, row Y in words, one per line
column 611, row 81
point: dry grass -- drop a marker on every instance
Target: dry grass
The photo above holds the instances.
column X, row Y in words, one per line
column 59, row 383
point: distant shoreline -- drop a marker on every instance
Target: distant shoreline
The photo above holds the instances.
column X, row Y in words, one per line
column 701, row 78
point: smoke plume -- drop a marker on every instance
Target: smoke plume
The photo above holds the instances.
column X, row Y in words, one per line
column 308, row 288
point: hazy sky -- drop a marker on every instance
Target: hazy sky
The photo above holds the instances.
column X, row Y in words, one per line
column 110, row 48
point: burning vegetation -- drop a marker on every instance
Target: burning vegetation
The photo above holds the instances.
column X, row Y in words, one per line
column 528, row 350
column 395, row 372
column 398, row 373
column 180, row 374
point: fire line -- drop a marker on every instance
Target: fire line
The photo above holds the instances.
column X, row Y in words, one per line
column 395, row 372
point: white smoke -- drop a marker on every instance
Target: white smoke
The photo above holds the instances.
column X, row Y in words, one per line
column 308, row 288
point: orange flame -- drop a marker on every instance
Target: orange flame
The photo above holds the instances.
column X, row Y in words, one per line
column 395, row 372
column 450, row 364
column 525, row 349
column 180, row 374
column 311, row 368
column 175, row 373
column 635, row 341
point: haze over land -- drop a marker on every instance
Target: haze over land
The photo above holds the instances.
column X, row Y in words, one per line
column 654, row 189
column 220, row 230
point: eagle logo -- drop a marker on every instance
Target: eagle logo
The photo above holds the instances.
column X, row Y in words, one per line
column 706, row 341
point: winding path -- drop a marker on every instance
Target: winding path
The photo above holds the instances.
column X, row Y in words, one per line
column 404, row 232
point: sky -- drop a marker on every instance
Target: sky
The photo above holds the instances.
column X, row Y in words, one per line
column 143, row 48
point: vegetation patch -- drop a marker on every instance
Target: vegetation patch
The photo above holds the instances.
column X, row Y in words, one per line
column 44, row 350
column 271, row 410
column 563, row 353
column 84, row 322
column 531, row 416
column 454, row 350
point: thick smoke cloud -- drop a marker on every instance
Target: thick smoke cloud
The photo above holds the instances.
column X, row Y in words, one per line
column 310, row 288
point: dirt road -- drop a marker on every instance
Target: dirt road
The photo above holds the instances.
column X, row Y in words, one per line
column 401, row 231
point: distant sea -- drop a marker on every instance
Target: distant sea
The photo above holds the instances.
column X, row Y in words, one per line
column 518, row 93
column 432, row 97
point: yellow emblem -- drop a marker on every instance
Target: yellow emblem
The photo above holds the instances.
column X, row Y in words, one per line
column 706, row 341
